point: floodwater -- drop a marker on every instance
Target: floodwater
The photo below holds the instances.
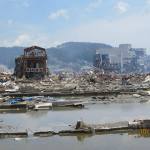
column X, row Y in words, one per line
column 60, row 119
column 105, row 142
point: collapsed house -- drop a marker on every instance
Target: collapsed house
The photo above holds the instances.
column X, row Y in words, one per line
column 33, row 64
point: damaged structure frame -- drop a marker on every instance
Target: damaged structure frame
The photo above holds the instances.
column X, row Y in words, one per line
column 33, row 64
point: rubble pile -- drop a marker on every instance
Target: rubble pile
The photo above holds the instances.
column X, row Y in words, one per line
column 4, row 77
column 137, row 78
column 89, row 86
column 77, row 83
column 7, row 83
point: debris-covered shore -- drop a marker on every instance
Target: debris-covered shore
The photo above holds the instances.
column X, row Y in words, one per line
column 71, row 84
column 91, row 87
column 73, row 91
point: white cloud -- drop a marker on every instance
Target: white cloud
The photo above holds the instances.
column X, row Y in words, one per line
column 4, row 43
column 21, row 39
column 93, row 5
column 122, row 7
column 62, row 13
column 132, row 29
column 29, row 39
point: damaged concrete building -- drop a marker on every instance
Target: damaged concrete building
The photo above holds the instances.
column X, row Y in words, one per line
column 122, row 59
column 33, row 64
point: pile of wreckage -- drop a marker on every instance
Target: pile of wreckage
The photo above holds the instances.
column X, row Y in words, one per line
column 84, row 82
column 75, row 82
column 7, row 83
column 24, row 104
column 72, row 84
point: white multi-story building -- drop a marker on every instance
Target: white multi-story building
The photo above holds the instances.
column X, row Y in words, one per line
column 124, row 55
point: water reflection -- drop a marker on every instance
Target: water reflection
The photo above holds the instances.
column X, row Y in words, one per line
column 143, row 133
column 106, row 142
column 13, row 111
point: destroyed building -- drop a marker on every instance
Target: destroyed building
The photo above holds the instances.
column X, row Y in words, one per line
column 103, row 63
column 33, row 64
column 122, row 59
column 136, row 62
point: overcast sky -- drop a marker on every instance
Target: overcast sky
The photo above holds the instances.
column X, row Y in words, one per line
column 51, row 22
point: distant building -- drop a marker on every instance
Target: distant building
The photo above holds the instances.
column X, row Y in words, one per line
column 122, row 59
column 33, row 64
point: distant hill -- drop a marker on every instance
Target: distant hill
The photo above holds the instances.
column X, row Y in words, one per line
column 70, row 54
column 8, row 54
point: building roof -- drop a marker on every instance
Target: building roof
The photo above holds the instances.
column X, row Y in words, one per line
column 34, row 47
